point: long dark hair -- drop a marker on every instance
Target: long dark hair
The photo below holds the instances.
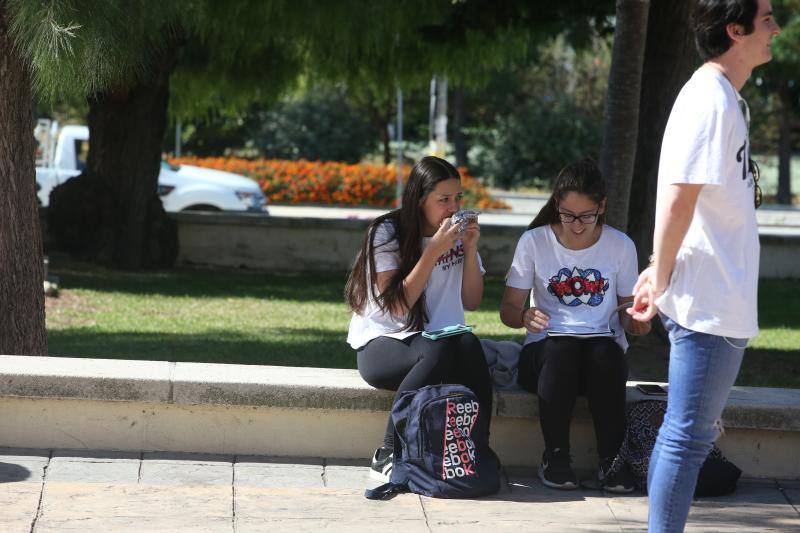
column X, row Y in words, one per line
column 406, row 223
column 582, row 177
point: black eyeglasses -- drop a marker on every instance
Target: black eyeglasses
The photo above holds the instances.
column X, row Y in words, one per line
column 756, row 172
column 569, row 218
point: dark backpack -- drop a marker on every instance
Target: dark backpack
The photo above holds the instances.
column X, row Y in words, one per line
column 717, row 476
column 439, row 451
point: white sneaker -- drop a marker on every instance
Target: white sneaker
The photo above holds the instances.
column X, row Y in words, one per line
column 381, row 467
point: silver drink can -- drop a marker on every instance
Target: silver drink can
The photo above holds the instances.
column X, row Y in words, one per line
column 464, row 217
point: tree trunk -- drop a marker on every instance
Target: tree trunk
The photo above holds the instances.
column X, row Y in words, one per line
column 784, row 146
column 668, row 63
column 22, row 325
column 111, row 213
column 621, row 115
column 459, row 122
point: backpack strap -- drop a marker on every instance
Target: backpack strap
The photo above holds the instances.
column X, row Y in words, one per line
column 385, row 492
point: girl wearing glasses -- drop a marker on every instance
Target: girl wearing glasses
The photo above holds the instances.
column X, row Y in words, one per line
column 577, row 271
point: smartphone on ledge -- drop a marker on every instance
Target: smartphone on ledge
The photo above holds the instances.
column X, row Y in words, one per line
column 651, row 389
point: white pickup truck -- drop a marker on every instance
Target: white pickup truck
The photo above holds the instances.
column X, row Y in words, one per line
column 61, row 155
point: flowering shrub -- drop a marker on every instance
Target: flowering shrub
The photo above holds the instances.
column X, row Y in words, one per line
column 295, row 182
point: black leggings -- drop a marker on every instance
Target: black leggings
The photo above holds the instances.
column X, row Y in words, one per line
column 557, row 369
column 413, row 362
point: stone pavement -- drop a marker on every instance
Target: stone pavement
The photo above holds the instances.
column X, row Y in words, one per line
column 58, row 490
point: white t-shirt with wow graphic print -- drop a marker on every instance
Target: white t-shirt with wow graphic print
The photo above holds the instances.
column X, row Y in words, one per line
column 442, row 292
column 578, row 289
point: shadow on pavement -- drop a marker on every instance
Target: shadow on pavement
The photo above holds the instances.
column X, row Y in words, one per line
column 10, row 472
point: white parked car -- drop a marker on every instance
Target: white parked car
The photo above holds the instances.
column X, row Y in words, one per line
column 62, row 155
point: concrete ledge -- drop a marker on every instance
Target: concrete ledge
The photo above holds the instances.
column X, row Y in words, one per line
column 275, row 386
column 149, row 405
column 301, row 387
column 85, row 379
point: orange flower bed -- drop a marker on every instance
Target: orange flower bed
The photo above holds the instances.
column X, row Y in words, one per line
column 297, row 182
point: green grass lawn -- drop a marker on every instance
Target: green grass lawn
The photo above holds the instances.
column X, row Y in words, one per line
column 301, row 320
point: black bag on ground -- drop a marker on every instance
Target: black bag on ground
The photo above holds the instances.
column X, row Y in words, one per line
column 717, row 476
column 439, row 451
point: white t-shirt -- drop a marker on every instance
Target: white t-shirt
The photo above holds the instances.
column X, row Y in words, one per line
column 442, row 292
column 578, row 289
column 713, row 287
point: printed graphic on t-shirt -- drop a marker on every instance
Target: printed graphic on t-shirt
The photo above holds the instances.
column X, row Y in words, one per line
column 578, row 286
column 743, row 158
column 451, row 258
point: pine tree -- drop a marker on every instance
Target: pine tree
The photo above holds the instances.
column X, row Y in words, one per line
column 21, row 265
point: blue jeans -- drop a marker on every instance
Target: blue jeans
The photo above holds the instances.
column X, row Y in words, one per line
column 702, row 370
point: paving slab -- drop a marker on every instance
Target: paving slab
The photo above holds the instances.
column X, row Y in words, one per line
column 87, row 471
column 528, row 506
column 755, row 506
column 96, row 456
column 94, row 466
column 19, row 502
column 12, row 470
column 750, row 508
column 22, row 464
column 177, row 473
column 791, row 491
column 188, row 458
column 96, row 507
column 193, row 492
column 793, row 495
column 138, row 524
column 515, row 526
column 249, row 460
column 629, row 510
column 345, row 474
column 278, row 475
column 513, row 515
column 322, row 505
column 364, row 525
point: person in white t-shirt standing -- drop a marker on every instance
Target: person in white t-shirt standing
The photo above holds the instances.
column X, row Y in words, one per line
column 704, row 272
column 415, row 272
column 577, row 271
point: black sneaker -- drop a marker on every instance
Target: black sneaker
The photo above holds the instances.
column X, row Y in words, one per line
column 555, row 470
column 615, row 478
column 382, row 464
